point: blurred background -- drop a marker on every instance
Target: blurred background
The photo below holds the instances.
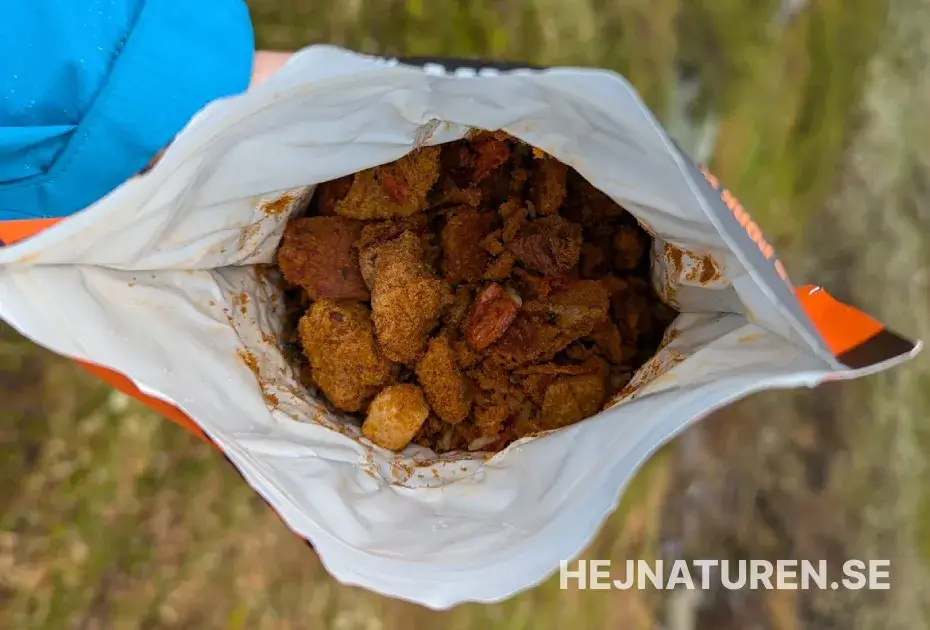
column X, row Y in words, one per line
column 813, row 112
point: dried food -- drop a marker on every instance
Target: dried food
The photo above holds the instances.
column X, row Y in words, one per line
column 469, row 295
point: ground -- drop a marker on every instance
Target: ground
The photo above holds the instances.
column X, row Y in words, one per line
column 811, row 112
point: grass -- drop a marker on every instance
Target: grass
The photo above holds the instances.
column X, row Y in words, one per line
column 116, row 519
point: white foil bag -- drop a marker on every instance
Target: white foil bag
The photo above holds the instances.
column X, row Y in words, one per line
column 149, row 282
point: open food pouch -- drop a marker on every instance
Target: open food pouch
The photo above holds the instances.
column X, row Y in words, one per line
column 167, row 287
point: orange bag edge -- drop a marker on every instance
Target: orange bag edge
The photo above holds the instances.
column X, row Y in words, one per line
column 19, row 229
column 856, row 339
column 14, row 231
column 120, row 383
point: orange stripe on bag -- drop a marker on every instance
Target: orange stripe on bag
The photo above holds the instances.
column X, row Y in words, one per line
column 841, row 326
column 13, row 231
column 123, row 384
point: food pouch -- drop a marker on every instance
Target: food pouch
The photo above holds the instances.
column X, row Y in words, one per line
column 163, row 289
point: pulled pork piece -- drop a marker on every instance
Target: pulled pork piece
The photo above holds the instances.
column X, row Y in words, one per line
column 492, row 243
column 580, row 351
column 548, row 191
column 596, row 252
column 629, row 246
column 550, row 245
column 466, row 356
column 595, row 260
column 345, row 360
column 515, row 215
column 497, row 399
column 448, row 193
column 518, row 180
column 317, row 254
column 608, row 341
column 501, row 267
column 587, row 205
column 496, row 188
column 536, row 379
column 377, row 233
column 398, row 189
column 328, row 194
column 490, row 154
column 456, row 162
column 633, row 314
column 406, row 298
column 395, row 416
column 463, row 257
column 578, row 306
column 527, row 340
column 546, row 326
column 570, row 399
column 455, row 314
column 447, row 390
column 490, row 420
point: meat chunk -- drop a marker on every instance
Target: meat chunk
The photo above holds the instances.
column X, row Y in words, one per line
column 317, row 254
column 493, row 311
column 606, row 337
column 490, row 420
column 550, row 245
column 497, row 399
column 447, row 390
column 463, row 257
column 329, row 194
column 490, row 154
column 579, row 351
column 546, row 326
column 496, row 188
column 629, row 246
column 570, row 399
column 345, row 360
column 527, row 340
column 395, row 416
column 596, row 252
column 398, row 189
column 536, row 379
column 447, row 193
column 632, row 313
column 455, row 314
column 457, row 163
column 466, row 356
column 578, row 306
column 587, row 205
column 548, row 191
column 594, row 260
column 406, row 298
column 378, row 233
column 518, row 180
column 501, row 267
column 614, row 285
column 515, row 215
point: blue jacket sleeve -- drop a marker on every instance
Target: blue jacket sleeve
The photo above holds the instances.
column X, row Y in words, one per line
column 91, row 90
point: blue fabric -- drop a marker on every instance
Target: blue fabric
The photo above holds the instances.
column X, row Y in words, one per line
column 91, row 90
